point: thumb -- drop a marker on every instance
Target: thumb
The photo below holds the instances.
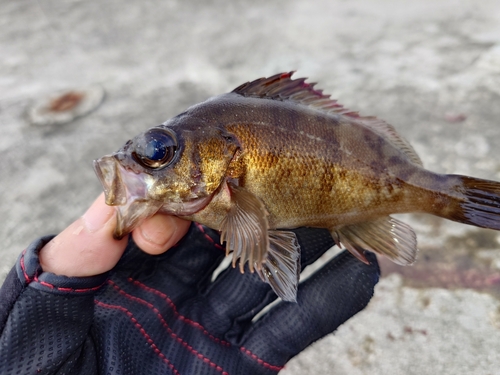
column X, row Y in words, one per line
column 87, row 246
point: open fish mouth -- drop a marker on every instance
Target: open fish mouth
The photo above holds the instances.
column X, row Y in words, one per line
column 127, row 191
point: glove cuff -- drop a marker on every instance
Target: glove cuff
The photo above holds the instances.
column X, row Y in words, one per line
column 30, row 274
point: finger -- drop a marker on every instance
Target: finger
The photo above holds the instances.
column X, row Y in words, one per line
column 86, row 247
column 232, row 301
column 159, row 233
column 247, row 293
column 313, row 243
column 330, row 297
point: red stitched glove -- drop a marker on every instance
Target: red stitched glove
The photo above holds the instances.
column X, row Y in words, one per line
column 164, row 315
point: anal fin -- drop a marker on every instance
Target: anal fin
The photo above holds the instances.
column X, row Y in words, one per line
column 387, row 236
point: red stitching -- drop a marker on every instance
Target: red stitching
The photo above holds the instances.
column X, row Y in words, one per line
column 179, row 316
column 260, row 361
column 202, row 230
column 23, row 267
column 169, row 330
column 199, row 326
column 142, row 331
column 61, row 289
column 51, row 286
column 46, row 284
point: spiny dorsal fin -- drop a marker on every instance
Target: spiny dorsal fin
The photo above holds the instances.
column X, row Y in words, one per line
column 283, row 87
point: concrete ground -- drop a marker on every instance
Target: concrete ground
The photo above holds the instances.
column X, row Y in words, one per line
column 431, row 68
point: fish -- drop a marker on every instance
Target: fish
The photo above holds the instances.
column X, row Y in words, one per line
column 276, row 154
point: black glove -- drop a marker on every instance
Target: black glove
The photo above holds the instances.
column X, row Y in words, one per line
column 208, row 327
column 164, row 315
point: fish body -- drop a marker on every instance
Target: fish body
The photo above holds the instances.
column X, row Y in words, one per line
column 330, row 173
column 276, row 154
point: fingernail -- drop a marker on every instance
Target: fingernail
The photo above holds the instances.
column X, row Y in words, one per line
column 97, row 215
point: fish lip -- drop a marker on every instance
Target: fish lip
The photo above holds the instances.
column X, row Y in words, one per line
column 130, row 215
column 106, row 169
column 126, row 190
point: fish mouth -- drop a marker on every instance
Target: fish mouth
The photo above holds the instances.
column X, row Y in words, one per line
column 127, row 191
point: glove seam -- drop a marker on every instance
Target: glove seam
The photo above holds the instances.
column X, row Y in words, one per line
column 191, row 322
column 166, row 326
column 142, row 331
column 205, row 234
column 180, row 317
column 260, row 361
column 27, row 279
column 52, row 286
column 33, row 276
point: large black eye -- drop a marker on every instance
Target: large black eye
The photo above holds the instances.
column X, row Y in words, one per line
column 155, row 149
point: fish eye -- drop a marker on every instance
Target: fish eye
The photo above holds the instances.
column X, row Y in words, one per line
column 155, row 149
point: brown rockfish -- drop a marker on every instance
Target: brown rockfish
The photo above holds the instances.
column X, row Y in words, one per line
column 277, row 154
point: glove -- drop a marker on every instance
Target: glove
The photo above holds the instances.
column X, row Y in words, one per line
column 165, row 315
column 167, row 312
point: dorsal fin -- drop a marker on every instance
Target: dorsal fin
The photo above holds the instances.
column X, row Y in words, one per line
column 283, row 87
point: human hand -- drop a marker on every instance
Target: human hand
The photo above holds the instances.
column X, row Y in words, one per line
column 87, row 246
column 213, row 319
column 196, row 325
column 190, row 323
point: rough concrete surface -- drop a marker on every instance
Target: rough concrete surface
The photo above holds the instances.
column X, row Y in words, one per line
column 431, row 68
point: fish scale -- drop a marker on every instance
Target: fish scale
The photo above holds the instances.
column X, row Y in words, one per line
column 309, row 180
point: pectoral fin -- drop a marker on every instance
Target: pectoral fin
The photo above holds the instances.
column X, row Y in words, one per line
column 282, row 267
column 274, row 254
column 245, row 228
column 387, row 236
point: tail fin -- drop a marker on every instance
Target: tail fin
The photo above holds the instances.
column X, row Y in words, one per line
column 475, row 202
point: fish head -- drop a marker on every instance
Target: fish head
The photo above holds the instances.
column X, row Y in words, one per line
column 174, row 168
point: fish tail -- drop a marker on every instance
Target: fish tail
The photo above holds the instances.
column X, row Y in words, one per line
column 471, row 201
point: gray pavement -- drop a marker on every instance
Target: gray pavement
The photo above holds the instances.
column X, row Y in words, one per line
column 430, row 68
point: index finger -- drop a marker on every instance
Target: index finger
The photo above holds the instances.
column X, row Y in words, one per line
column 331, row 296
